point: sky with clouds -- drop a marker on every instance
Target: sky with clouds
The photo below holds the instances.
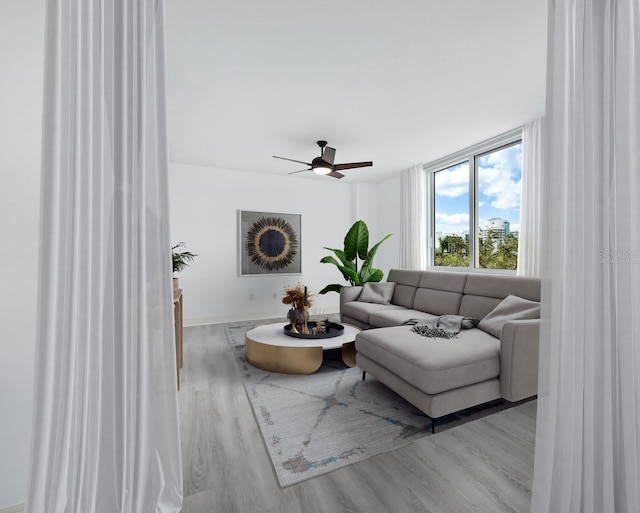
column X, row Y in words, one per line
column 499, row 175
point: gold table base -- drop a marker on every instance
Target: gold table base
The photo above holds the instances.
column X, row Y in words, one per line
column 290, row 359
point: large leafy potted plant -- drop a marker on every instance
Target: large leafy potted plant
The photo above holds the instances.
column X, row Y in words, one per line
column 181, row 259
column 356, row 246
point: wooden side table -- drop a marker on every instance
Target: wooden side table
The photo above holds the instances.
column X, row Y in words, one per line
column 177, row 321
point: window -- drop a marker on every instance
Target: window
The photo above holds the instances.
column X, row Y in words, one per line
column 476, row 205
column 498, row 178
column 452, row 216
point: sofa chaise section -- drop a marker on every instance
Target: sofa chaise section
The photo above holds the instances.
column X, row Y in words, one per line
column 441, row 376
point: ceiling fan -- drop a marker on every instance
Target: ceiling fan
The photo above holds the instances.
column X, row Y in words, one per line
column 323, row 165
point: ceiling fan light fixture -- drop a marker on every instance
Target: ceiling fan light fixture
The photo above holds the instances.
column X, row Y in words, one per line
column 320, row 167
column 322, row 170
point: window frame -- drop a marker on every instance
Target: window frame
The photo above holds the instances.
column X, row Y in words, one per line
column 471, row 155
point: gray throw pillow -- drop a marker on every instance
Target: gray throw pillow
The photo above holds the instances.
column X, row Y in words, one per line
column 510, row 309
column 380, row 293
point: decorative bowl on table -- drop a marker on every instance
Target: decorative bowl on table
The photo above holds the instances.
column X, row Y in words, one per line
column 332, row 330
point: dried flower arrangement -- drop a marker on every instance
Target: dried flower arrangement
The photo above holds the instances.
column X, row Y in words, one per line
column 296, row 296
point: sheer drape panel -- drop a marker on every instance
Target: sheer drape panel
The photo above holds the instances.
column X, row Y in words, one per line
column 413, row 219
column 588, row 432
column 105, row 428
column 531, row 200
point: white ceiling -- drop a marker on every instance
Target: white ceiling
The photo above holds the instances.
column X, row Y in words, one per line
column 397, row 82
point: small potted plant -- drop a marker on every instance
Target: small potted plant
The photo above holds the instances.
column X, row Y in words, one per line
column 181, row 259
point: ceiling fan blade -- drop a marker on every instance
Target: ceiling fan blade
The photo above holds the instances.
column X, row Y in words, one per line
column 301, row 171
column 335, row 174
column 328, row 155
column 293, row 160
column 352, row 165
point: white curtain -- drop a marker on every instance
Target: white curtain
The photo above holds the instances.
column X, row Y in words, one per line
column 105, row 426
column 588, row 431
column 413, row 219
column 531, row 200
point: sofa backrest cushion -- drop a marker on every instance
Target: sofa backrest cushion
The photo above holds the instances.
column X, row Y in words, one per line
column 380, row 293
column 440, row 293
column 483, row 292
column 407, row 282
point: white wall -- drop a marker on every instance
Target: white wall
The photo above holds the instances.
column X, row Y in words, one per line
column 21, row 63
column 204, row 214
column 367, row 211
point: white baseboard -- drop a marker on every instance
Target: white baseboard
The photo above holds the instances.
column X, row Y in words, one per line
column 19, row 508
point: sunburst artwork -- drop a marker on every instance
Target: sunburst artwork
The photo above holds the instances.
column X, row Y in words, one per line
column 269, row 243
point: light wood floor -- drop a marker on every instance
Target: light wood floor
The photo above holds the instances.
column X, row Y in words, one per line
column 481, row 467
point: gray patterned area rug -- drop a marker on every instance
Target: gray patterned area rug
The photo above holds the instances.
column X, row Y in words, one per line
column 317, row 423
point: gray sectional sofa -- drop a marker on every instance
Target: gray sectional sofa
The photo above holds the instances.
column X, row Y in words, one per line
column 497, row 359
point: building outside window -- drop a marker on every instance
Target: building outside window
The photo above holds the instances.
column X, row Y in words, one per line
column 476, row 205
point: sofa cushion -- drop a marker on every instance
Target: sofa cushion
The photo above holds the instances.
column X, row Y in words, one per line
column 443, row 280
column 511, row 308
column 433, row 365
column 501, row 286
column 386, row 318
column 407, row 281
column 361, row 311
column 409, row 277
column 477, row 306
column 440, row 292
column 483, row 292
column 403, row 295
column 380, row 293
column 437, row 302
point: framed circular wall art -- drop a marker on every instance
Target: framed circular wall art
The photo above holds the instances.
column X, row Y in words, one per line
column 269, row 243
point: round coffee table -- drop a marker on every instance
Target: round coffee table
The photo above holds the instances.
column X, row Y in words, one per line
column 268, row 348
